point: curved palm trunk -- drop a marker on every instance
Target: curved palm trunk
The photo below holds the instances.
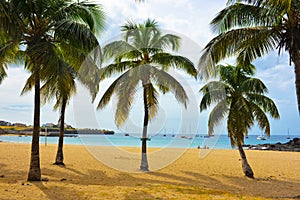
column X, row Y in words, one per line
column 245, row 165
column 59, row 155
column 144, row 163
column 297, row 79
column 34, row 170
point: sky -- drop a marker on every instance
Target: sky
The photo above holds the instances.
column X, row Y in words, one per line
column 190, row 20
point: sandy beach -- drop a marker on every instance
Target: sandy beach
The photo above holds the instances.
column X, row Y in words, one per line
column 218, row 175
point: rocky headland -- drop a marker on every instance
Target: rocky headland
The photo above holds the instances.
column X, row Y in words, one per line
column 292, row 145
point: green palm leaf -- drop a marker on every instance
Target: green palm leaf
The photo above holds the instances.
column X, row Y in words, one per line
column 178, row 62
column 117, row 49
column 216, row 116
column 241, row 98
column 249, row 29
column 213, row 92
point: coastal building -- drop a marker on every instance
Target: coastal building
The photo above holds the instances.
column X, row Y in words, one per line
column 49, row 125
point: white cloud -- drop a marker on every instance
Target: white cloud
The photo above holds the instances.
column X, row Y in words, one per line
column 280, row 76
column 190, row 18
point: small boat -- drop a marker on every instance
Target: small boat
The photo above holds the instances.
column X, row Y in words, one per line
column 186, row 137
column 261, row 137
column 126, row 134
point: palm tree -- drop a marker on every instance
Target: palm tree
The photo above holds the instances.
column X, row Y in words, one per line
column 61, row 85
column 250, row 29
column 239, row 98
column 47, row 33
column 141, row 58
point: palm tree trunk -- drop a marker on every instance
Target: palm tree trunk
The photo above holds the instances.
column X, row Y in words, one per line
column 245, row 165
column 297, row 79
column 34, row 170
column 144, row 163
column 59, row 155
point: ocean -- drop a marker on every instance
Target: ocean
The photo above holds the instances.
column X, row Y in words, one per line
column 158, row 141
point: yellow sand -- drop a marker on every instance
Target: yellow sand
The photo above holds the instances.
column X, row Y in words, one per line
column 216, row 176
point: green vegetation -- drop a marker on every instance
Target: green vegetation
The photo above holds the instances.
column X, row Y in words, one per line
column 251, row 29
column 16, row 128
column 240, row 99
column 60, row 84
column 141, row 57
column 47, row 34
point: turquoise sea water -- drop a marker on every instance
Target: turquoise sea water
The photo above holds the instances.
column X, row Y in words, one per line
column 161, row 141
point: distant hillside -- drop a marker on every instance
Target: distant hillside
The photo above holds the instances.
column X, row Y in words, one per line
column 23, row 129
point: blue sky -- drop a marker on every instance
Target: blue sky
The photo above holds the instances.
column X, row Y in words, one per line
column 187, row 18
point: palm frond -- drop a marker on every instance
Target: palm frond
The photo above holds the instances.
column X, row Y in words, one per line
column 253, row 85
column 28, row 85
column 91, row 78
column 213, row 92
column 246, row 48
column 152, row 99
column 125, row 91
column 111, row 89
column 251, row 49
column 265, row 103
column 116, row 49
column 163, row 89
column 117, row 68
column 134, row 55
column 217, row 115
column 261, row 119
column 82, row 12
column 3, row 73
column 77, row 35
column 178, row 62
column 167, row 41
column 162, row 78
column 9, row 51
column 11, row 24
column 141, row 35
column 241, row 15
column 275, row 4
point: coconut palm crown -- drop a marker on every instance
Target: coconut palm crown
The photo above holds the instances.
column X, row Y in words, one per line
column 248, row 29
column 142, row 57
column 240, row 99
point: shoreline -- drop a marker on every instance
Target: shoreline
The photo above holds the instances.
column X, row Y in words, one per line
column 216, row 175
column 293, row 145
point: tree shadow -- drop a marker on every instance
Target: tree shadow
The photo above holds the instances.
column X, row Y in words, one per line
column 52, row 192
column 184, row 182
column 266, row 187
